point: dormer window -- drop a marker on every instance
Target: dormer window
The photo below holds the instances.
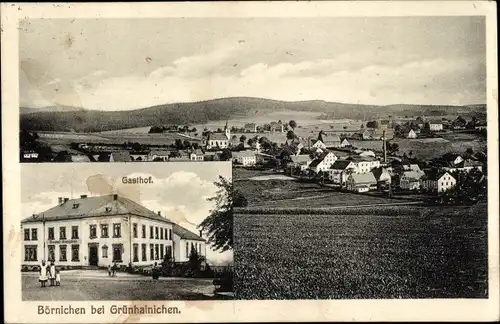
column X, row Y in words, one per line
column 75, row 206
column 108, row 209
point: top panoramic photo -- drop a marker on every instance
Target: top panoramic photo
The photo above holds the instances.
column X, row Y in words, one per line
column 260, row 92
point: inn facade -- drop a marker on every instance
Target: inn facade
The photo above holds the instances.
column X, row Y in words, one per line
column 100, row 231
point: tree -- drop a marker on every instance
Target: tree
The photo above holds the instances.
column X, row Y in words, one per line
column 226, row 155
column 372, row 124
column 290, row 135
column 243, row 138
column 293, row 124
column 218, row 226
column 469, row 151
column 250, row 142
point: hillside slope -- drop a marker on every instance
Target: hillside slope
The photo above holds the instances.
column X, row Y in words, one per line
column 80, row 120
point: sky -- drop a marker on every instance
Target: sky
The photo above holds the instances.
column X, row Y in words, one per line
column 179, row 191
column 122, row 64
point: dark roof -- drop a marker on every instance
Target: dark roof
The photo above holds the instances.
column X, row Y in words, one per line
column 340, row 164
column 217, row 137
column 363, row 178
column 186, row 234
column 319, row 159
column 95, row 206
column 433, row 174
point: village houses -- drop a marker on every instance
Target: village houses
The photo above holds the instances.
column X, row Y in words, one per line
column 197, row 155
column 435, row 126
column 410, row 180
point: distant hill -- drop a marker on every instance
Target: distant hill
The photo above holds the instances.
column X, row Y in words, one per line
column 26, row 110
column 81, row 120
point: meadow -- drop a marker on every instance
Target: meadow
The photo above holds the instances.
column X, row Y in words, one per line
column 428, row 253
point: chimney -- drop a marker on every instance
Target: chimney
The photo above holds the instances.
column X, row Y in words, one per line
column 385, row 149
column 115, row 197
column 65, row 200
column 83, row 196
column 201, row 233
column 60, row 200
column 159, row 213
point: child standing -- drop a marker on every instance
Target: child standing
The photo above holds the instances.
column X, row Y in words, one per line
column 58, row 277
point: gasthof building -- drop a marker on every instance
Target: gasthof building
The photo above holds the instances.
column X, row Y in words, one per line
column 99, row 231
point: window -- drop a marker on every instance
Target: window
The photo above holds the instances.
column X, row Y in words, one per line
column 143, row 231
column 143, row 250
column 161, row 252
column 75, row 252
column 187, row 250
column 30, row 253
column 151, row 251
column 170, row 234
column 34, row 234
column 156, row 232
column 74, row 232
column 26, row 234
column 104, row 251
column 51, row 233
column 93, row 231
column 134, row 230
column 161, row 233
column 151, row 235
column 62, row 233
column 52, row 253
column 156, row 252
column 117, row 230
column 136, row 252
column 104, row 230
column 62, row 253
column 117, row 252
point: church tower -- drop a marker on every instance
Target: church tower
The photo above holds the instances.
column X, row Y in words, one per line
column 227, row 131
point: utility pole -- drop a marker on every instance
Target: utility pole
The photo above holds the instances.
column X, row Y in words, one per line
column 384, row 146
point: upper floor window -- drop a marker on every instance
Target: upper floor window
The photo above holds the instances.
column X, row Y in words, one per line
column 93, row 231
column 134, row 230
column 51, row 233
column 104, row 230
column 34, row 234
column 26, row 234
column 74, row 232
column 117, row 230
column 62, row 233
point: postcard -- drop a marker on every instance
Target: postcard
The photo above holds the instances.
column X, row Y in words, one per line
column 250, row 161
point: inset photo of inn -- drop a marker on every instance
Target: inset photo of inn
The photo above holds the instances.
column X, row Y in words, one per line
column 117, row 233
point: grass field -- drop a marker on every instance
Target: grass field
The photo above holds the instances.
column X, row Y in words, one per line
column 436, row 253
column 62, row 138
column 291, row 193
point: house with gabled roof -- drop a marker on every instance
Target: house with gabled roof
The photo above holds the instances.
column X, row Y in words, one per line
column 244, row 158
column 323, row 162
column 120, row 156
column 340, row 170
column 158, row 155
column 410, row 180
column 465, row 165
column 361, row 182
column 438, row 180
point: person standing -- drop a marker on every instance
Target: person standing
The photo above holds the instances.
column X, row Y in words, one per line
column 58, row 278
column 42, row 278
column 52, row 274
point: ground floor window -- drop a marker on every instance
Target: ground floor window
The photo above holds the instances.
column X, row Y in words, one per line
column 117, row 252
column 30, row 253
column 156, row 252
column 161, row 251
column 136, row 252
column 62, row 253
column 151, row 251
column 187, row 249
column 144, row 256
column 75, row 252
column 104, row 251
column 52, row 253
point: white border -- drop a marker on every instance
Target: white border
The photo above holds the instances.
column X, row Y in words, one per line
column 17, row 311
